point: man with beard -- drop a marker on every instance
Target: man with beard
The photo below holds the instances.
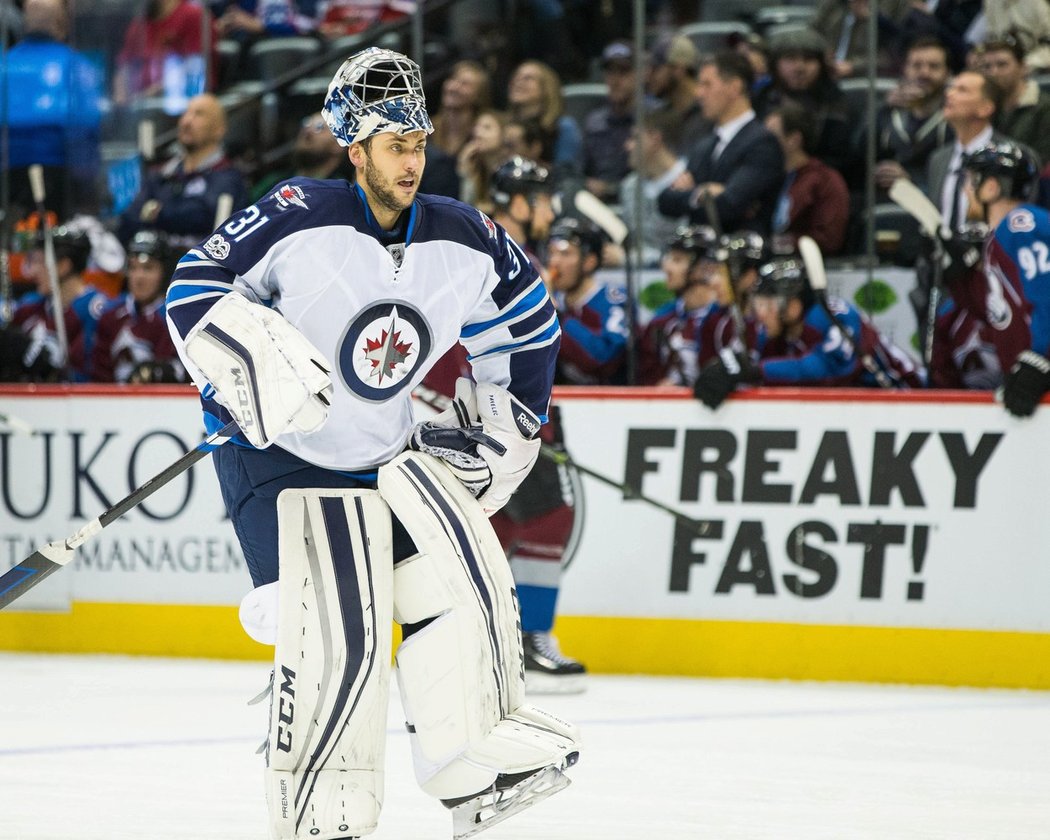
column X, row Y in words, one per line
column 306, row 320
column 910, row 125
column 316, row 154
column 180, row 199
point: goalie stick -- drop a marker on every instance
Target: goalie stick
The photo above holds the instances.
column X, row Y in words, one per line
column 818, row 281
column 19, row 579
column 440, row 402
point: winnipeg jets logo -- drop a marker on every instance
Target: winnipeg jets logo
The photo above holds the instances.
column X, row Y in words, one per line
column 382, row 348
column 388, row 353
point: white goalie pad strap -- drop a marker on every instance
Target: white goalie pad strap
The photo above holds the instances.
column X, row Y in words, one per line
column 328, row 715
column 263, row 369
column 461, row 676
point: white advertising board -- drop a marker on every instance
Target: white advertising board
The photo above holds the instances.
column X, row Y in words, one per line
column 816, row 507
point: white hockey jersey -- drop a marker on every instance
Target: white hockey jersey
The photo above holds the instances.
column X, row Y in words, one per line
column 382, row 308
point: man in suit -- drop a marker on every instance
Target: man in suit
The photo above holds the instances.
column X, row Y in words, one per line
column 737, row 169
column 970, row 104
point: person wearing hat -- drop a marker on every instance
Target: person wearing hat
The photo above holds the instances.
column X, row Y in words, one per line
column 673, row 64
column 802, row 73
column 607, row 128
column 132, row 343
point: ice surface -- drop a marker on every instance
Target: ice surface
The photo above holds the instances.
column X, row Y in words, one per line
column 112, row 748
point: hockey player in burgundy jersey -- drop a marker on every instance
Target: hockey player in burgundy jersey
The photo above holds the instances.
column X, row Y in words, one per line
column 307, row 319
column 1008, row 289
column 83, row 304
column 670, row 350
column 802, row 343
column 592, row 316
column 132, row 342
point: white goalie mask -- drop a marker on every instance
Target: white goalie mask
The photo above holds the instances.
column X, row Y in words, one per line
column 374, row 92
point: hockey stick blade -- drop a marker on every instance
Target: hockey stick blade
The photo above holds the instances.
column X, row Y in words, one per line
column 19, row 579
column 814, row 262
column 598, row 212
column 909, row 197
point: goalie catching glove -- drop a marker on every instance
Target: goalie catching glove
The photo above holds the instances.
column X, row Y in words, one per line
column 487, row 439
column 266, row 372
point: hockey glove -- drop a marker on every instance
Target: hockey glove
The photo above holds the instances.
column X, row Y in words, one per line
column 515, row 431
column 1026, row 383
column 458, row 448
column 721, row 375
column 959, row 252
column 267, row 373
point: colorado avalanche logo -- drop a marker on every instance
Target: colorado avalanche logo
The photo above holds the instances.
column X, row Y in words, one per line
column 382, row 348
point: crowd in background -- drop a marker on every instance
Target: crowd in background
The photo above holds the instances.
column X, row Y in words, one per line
column 750, row 139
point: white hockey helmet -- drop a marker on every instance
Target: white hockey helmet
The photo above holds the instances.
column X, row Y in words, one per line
column 374, row 92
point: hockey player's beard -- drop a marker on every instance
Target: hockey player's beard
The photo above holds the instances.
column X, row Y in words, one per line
column 383, row 195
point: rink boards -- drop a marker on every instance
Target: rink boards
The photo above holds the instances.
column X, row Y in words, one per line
column 847, row 535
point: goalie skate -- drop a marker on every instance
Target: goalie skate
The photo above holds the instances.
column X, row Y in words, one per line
column 510, row 794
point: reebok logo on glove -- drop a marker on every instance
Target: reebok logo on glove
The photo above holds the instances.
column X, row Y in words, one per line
column 527, row 424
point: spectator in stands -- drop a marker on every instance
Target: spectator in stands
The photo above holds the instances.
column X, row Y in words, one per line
column 348, row 17
column 534, row 92
column 754, row 48
column 479, row 158
column 168, row 29
column 248, row 20
column 947, row 20
column 526, row 138
column 1027, row 21
column 802, row 74
column 672, row 80
column 911, row 124
column 52, row 113
column 844, row 24
column 1025, row 112
column 182, row 197
column 592, row 316
column 970, row 104
column 465, row 93
column 607, row 128
column 132, row 342
column 739, row 168
column 316, row 154
column 814, row 200
column 82, row 305
column 654, row 167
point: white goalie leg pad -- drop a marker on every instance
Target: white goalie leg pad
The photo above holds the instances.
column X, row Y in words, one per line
column 461, row 676
column 324, row 778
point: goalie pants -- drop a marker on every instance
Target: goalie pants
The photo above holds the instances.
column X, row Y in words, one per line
column 250, row 481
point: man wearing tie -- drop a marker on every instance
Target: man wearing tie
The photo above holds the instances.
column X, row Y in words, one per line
column 736, row 171
column 970, row 103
